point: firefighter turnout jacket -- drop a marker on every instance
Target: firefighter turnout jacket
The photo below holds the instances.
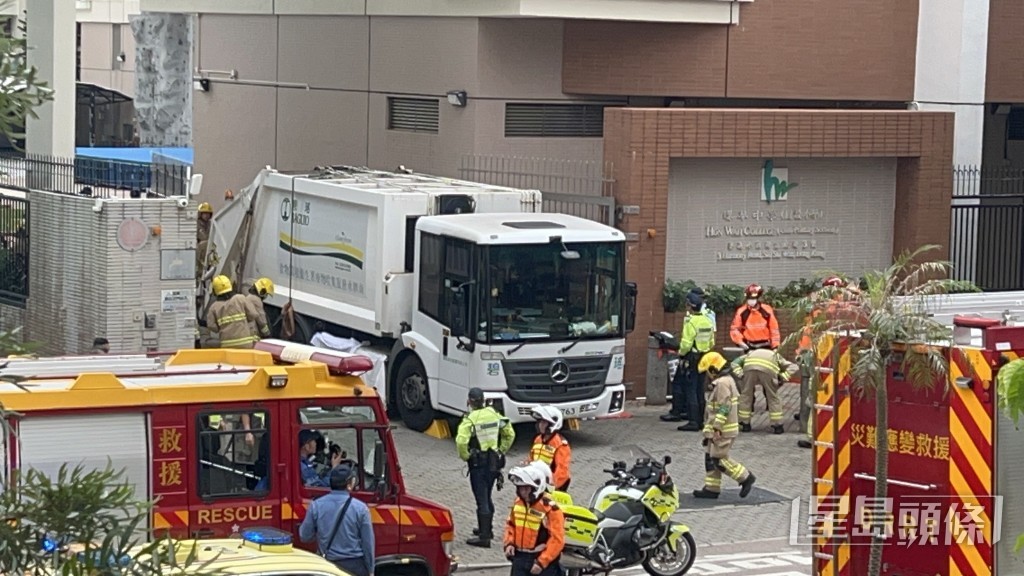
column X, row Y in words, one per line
column 722, row 412
column 556, row 453
column 260, row 326
column 536, row 528
column 698, row 334
column 764, row 360
column 756, row 327
column 481, row 430
column 231, row 318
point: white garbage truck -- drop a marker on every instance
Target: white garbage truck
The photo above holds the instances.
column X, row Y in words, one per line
column 457, row 284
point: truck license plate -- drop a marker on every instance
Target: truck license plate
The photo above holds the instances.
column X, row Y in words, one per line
column 569, row 411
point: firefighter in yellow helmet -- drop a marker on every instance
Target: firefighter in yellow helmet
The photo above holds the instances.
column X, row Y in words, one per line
column 231, row 315
column 721, row 427
column 258, row 292
column 204, row 218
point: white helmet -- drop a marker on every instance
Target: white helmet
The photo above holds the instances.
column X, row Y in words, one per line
column 545, row 471
column 531, row 476
column 548, row 414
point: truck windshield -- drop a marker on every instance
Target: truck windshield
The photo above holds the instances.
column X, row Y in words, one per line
column 535, row 293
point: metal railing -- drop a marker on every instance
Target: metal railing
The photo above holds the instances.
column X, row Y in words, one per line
column 987, row 181
column 98, row 177
column 14, row 243
column 582, row 188
column 987, row 227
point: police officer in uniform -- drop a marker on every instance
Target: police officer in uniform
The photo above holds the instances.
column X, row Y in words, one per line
column 483, row 439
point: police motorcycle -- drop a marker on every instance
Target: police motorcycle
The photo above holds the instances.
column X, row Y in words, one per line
column 627, row 523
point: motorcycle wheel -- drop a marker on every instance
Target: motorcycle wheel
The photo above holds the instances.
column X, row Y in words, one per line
column 663, row 562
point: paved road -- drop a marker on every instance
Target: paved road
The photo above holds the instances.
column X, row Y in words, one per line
column 760, row 558
column 432, row 469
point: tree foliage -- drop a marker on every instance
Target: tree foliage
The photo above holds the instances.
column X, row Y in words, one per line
column 79, row 521
column 888, row 322
column 21, row 91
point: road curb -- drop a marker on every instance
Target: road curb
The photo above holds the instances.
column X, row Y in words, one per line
column 483, row 566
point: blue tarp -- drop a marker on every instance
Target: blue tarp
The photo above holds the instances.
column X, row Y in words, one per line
column 142, row 155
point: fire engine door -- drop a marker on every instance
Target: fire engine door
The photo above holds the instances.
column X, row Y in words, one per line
column 234, row 480
column 355, row 431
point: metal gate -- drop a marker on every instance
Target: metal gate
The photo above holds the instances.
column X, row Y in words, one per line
column 986, row 239
column 580, row 188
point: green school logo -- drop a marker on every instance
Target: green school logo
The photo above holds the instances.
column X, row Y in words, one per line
column 775, row 184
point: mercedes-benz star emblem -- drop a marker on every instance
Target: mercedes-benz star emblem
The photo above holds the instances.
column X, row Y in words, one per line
column 559, row 372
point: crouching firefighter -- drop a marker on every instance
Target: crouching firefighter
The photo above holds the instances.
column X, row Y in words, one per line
column 483, row 439
column 535, row 530
column 721, row 427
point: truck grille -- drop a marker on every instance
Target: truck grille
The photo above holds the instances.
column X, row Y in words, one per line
column 530, row 380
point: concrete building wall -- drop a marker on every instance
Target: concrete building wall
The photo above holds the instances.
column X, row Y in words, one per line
column 100, row 274
column 352, row 65
column 108, row 56
column 162, row 61
column 838, row 217
column 1004, row 78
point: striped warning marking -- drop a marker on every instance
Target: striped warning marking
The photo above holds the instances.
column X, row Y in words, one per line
column 384, row 514
column 971, row 463
column 170, row 519
column 832, row 452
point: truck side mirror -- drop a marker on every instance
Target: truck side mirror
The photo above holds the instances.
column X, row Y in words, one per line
column 631, row 291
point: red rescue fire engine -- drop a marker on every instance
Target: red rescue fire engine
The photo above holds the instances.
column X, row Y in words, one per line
column 955, row 499
column 212, row 435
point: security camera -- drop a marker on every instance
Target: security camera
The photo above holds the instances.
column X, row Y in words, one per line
column 182, row 202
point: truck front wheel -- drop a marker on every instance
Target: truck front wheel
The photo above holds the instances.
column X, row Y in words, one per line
column 413, row 394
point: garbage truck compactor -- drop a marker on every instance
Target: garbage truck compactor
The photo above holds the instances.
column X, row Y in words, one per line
column 457, row 284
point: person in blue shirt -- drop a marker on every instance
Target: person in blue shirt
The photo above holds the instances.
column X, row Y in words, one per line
column 341, row 525
column 307, row 447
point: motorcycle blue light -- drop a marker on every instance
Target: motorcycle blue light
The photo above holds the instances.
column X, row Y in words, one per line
column 50, row 545
column 266, row 536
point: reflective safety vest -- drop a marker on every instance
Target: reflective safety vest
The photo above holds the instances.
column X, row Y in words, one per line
column 556, row 453
column 755, row 326
column 537, row 528
column 698, row 334
column 484, row 429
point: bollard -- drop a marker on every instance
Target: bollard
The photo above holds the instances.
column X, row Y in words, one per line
column 657, row 373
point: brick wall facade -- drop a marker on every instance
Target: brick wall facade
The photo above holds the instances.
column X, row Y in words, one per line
column 640, row 143
column 1004, row 76
column 84, row 284
column 800, row 49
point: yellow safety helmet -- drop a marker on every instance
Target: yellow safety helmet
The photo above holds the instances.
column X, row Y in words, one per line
column 221, row 285
column 205, row 208
column 711, row 359
column 264, row 287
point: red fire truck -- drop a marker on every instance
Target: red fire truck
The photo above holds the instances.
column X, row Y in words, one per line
column 212, row 435
column 955, row 499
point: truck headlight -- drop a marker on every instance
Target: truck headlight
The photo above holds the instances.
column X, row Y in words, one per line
column 621, row 349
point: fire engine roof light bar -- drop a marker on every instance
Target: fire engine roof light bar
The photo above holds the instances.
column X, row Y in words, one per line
column 338, row 363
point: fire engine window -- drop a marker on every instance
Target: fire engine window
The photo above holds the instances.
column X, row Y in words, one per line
column 362, row 447
column 322, row 415
column 234, row 453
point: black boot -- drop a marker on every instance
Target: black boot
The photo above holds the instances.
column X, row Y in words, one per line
column 747, row 485
column 483, row 538
column 704, row 493
column 804, row 443
column 778, row 429
column 745, row 427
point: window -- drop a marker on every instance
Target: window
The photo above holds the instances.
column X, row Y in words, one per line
column 115, row 43
column 554, row 120
column 413, row 114
column 78, row 52
column 457, row 271
column 431, row 254
column 234, row 453
column 1015, row 124
column 352, row 431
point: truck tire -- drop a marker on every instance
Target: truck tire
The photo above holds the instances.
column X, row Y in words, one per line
column 412, row 394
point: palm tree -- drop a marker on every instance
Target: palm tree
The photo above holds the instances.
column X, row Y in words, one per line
column 888, row 322
column 1010, row 394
